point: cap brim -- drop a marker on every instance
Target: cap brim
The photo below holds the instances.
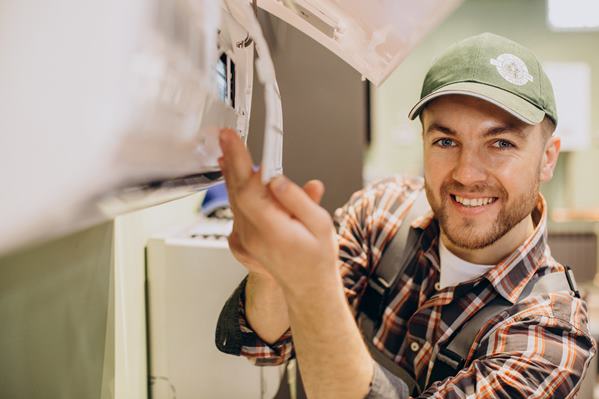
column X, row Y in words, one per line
column 515, row 105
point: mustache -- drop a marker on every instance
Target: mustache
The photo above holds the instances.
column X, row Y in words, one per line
column 486, row 189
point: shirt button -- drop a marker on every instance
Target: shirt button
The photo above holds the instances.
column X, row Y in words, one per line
column 414, row 346
column 438, row 286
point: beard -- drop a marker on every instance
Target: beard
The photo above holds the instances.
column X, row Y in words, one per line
column 468, row 233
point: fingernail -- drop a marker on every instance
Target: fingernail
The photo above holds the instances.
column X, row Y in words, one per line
column 278, row 184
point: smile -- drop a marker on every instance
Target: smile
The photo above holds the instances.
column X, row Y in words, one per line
column 473, row 202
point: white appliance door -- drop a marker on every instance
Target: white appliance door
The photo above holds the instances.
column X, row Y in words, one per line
column 371, row 36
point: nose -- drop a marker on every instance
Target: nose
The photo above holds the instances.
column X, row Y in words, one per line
column 470, row 168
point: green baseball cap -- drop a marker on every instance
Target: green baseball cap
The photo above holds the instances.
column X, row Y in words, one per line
column 494, row 69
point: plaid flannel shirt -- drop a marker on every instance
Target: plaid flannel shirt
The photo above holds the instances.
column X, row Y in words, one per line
column 538, row 348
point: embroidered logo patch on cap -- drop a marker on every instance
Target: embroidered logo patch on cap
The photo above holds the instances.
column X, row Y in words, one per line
column 495, row 69
column 512, row 69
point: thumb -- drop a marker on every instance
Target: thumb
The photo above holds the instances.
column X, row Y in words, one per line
column 315, row 190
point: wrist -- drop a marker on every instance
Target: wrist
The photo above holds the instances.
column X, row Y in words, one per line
column 263, row 285
column 263, row 279
column 315, row 289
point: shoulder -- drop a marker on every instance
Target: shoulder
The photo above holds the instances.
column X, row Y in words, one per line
column 556, row 308
column 554, row 318
column 383, row 195
column 373, row 215
column 397, row 187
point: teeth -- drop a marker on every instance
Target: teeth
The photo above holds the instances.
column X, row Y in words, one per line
column 474, row 201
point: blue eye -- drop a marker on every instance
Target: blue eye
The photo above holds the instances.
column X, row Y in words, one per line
column 503, row 145
column 445, row 143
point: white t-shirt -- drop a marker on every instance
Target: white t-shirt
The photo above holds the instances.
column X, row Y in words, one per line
column 456, row 270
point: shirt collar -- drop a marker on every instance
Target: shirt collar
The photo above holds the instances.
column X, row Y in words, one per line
column 510, row 276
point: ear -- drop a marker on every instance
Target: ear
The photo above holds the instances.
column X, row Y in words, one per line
column 550, row 156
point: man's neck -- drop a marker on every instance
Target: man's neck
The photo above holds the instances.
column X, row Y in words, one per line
column 494, row 253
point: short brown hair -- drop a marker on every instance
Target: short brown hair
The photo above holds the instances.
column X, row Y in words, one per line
column 548, row 127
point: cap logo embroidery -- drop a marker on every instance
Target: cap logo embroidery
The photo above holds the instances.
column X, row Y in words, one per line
column 512, row 69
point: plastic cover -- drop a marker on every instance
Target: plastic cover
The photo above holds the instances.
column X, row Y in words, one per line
column 372, row 36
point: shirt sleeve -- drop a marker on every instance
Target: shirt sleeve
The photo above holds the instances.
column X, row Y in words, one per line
column 385, row 385
column 534, row 357
column 228, row 335
column 234, row 335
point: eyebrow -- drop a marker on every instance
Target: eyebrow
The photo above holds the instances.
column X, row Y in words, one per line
column 441, row 128
column 493, row 131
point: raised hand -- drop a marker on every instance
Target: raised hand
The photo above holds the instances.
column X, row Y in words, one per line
column 279, row 230
column 313, row 188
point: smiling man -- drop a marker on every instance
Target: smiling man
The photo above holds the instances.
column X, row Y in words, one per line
column 476, row 308
column 482, row 174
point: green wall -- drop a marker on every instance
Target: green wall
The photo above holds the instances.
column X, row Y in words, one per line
column 56, row 323
column 396, row 147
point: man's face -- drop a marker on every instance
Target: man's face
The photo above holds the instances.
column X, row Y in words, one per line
column 482, row 168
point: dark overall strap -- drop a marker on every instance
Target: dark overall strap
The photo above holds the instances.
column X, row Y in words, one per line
column 393, row 262
column 395, row 259
column 395, row 369
column 452, row 355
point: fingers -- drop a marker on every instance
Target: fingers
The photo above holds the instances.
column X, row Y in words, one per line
column 315, row 190
column 250, row 201
column 301, row 205
column 248, row 196
column 237, row 163
column 238, row 250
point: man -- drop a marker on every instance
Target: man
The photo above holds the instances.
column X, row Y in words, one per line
column 488, row 114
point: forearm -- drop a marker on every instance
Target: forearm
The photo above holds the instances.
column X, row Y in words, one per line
column 265, row 308
column 292, row 238
column 333, row 358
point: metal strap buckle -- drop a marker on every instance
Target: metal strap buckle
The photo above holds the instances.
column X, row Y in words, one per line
column 572, row 281
column 451, row 359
